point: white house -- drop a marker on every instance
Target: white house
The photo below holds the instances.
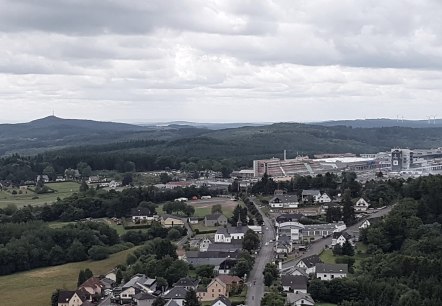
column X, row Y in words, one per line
column 284, row 201
column 313, row 194
column 340, row 238
column 229, row 234
column 324, row 198
column 114, row 184
column 370, row 221
column 204, row 244
column 308, row 264
column 300, row 299
column 142, row 214
column 361, row 205
column 331, row 271
column 294, row 283
column 221, row 301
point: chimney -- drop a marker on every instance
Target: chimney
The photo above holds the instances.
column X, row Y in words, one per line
column 285, row 154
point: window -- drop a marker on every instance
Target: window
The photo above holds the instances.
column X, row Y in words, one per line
column 213, row 290
column 332, row 276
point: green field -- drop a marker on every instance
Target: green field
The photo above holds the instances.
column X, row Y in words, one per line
column 204, row 208
column 35, row 287
column 62, row 190
column 360, row 253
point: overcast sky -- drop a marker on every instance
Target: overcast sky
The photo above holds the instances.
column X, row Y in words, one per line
column 220, row 61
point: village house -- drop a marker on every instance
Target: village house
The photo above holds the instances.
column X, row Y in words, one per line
column 216, row 219
column 369, row 222
column 230, row 233
column 234, row 246
column 284, row 202
column 170, row 221
column 309, row 263
column 193, row 220
column 205, row 244
column 311, row 195
column 71, row 298
column 226, row 266
column 93, row 286
column 221, row 301
column 361, row 205
column 209, row 258
column 176, row 294
column 187, row 283
column 142, row 214
column 288, row 218
column 324, row 198
column 43, row 178
column 340, row 238
column 219, row 286
column 331, row 271
column 294, row 283
column 294, row 270
column 283, row 245
column 144, row 299
column 300, row 299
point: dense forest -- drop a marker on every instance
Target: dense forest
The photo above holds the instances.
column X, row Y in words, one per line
column 404, row 266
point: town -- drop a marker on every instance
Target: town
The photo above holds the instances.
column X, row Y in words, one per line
column 252, row 239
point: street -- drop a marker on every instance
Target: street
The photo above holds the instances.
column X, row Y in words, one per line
column 256, row 278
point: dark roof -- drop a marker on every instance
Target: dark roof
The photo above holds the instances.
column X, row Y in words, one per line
column 228, row 264
column 311, row 261
column 214, row 217
column 186, row 282
column 144, row 296
column 176, row 293
column 294, row 297
column 374, row 220
column 65, row 296
column 336, row 235
column 225, row 247
column 284, row 198
column 288, row 217
column 294, row 281
column 222, row 299
column 213, row 254
column 232, row 230
column 140, row 211
column 310, row 192
column 172, row 303
column 92, row 282
column 331, row 268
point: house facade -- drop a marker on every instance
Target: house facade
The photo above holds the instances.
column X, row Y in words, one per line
column 311, row 194
column 361, row 205
column 216, row 219
column 171, row 221
column 230, row 233
column 219, row 286
column 284, row 202
column 141, row 214
column 331, row 271
column 308, row 264
column 70, row 298
column 340, row 238
column 300, row 299
column 294, row 283
column 324, row 198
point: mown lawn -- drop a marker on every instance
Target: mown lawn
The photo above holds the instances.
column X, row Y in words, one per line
column 36, row 286
column 360, row 253
column 62, row 190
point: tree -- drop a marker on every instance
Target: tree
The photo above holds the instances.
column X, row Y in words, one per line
column 333, row 214
column 348, row 211
column 165, row 178
column 84, row 169
column 81, row 278
column 347, row 249
column 127, row 179
column 273, row 299
column 76, row 251
column 50, row 172
column 159, row 301
column 84, row 187
column 130, row 259
column 173, row 234
column 217, row 208
column 118, row 277
column 204, row 271
column 191, row 299
column 268, row 279
column 88, row 273
column 251, row 241
column 54, row 297
column 98, row 252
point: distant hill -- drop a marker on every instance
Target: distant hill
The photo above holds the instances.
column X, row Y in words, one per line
column 382, row 122
column 186, row 141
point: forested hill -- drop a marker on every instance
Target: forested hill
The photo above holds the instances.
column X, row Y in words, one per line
column 241, row 144
column 377, row 123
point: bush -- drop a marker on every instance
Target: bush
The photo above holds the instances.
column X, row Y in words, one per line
column 120, row 247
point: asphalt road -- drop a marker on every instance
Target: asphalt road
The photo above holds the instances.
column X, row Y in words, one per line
column 319, row 245
column 256, row 278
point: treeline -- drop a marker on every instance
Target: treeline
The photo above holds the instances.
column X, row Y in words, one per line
column 100, row 203
column 405, row 262
column 31, row 245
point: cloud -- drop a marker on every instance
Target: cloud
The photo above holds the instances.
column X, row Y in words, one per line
column 226, row 60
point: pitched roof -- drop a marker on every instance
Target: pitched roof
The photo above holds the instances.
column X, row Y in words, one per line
column 215, row 216
column 311, row 192
column 293, row 269
column 284, row 198
column 232, row 230
column 228, row 279
column 346, row 235
column 65, row 296
column 92, row 282
column 311, row 261
column 288, row 217
column 186, row 282
column 294, row 281
column 225, row 247
column 144, row 296
column 223, row 300
column 294, row 297
column 171, row 303
column 176, row 293
column 331, row 268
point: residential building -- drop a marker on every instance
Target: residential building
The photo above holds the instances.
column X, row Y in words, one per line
column 340, row 238
column 234, row 246
column 324, row 198
column 219, row 286
column 284, row 202
column 284, row 244
column 144, row 299
column 216, row 219
column 187, row 283
column 300, row 299
column 313, row 232
column 43, row 178
column 309, row 263
column 70, row 298
column 171, row 221
column 294, row 283
column 361, row 205
column 230, row 233
column 288, row 218
column 221, row 301
column 294, row 270
column 141, row 214
column 93, row 286
column 369, row 222
column 205, row 244
column 209, row 258
column 193, row 220
column 177, row 294
column 331, row 271
column 311, row 194
column 293, row 230
column 225, row 267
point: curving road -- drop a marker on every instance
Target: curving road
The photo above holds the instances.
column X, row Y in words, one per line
column 256, row 278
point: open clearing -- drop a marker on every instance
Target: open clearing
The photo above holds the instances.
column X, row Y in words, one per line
column 204, row 207
column 62, row 190
column 36, row 286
